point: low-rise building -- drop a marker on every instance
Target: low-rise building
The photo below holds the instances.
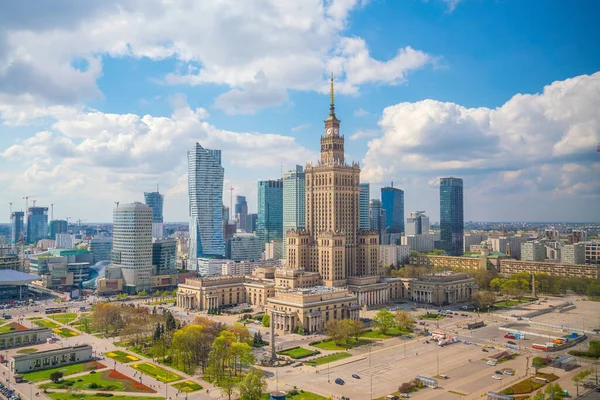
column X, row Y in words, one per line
column 308, row 310
column 50, row 358
column 230, row 267
column 394, row 254
column 420, row 243
column 592, row 253
column 296, row 278
column 450, row 262
column 212, row 293
column 443, row 288
column 510, row 267
column 24, row 338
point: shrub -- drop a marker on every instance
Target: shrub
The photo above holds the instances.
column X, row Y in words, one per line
column 56, row 376
column 102, row 394
column 93, row 385
column 92, row 372
column 293, row 392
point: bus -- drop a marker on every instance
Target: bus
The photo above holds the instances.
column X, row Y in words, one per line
column 55, row 310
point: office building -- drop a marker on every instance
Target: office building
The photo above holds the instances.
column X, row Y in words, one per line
column 101, row 248
column 229, row 267
column 273, row 250
column 576, row 236
column 332, row 243
column 364, row 198
column 251, row 221
column 443, row 288
column 509, row 245
column 9, row 261
column 241, row 212
column 210, row 266
column 228, row 230
column 205, row 186
column 294, row 209
column 244, row 247
column 573, row 253
column 64, row 241
column 164, row 256
column 552, row 234
column 132, row 245
column 418, row 224
column 225, row 213
column 533, row 251
column 392, row 201
column 395, row 255
column 472, row 239
column 62, row 269
column 155, row 201
column 57, row 226
column 377, row 218
column 17, row 227
column 37, row 224
column 592, row 253
column 46, row 359
column 270, row 210
column 451, row 216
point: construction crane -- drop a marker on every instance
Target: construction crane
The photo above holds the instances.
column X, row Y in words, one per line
column 52, row 212
column 34, row 201
column 117, row 203
column 79, row 221
column 26, row 198
column 10, row 204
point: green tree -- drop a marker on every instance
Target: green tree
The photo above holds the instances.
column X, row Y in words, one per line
column 554, row 391
column 228, row 384
column 483, row 299
column 496, row 284
column 335, row 331
column 384, row 320
column 579, row 377
column 170, row 323
column 253, row 385
column 56, row 376
column 404, row 320
column 266, row 321
column 241, row 332
column 355, row 328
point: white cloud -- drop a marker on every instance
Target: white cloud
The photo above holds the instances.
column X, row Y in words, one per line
column 260, row 49
column 361, row 112
column 364, row 133
column 451, row 4
column 300, row 127
column 543, row 139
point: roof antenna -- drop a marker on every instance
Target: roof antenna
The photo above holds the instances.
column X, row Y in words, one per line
column 157, row 187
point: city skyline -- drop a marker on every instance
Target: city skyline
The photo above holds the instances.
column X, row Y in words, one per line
column 105, row 121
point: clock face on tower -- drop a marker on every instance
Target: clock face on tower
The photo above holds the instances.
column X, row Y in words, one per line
column 328, row 131
column 335, row 131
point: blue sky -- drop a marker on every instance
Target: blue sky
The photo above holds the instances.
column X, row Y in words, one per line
column 100, row 102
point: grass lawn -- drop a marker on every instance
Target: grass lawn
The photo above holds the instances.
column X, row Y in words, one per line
column 297, row 395
column 12, row 326
column 44, row 323
column 27, row 351
column 330, row 344
column 64, row 318
column 376, row 334
column 187, row 386
column 431, row 316
column 44, row 375
column 156, row 372
column 65, row 332
column 512, row 302
column 33, row 318
column 121, row 356
column 298, row 352
column 106, row 381
column 80, row 324
column 79, row 396
column 326, row 359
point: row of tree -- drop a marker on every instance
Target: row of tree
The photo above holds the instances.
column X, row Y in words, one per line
column 385, row 320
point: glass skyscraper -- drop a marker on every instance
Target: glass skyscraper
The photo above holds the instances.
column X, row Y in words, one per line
column 205, row 189
column 241, row 213
column 451, row 216
column 364, row 206
column 155, row 201
column 37, row 224
column 270, row 210
column 392, row 201
column 17, row 226
column 57, row 226
column 294, row 201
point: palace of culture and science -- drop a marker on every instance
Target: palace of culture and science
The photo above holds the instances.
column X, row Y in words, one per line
column 332, row 268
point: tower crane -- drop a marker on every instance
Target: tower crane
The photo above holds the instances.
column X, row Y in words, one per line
column 52, row 212
column 79, row 221
column 34, row 201
column 10, row 204
column 26, row 198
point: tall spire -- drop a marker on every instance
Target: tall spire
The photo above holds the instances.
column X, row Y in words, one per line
column 332, row 102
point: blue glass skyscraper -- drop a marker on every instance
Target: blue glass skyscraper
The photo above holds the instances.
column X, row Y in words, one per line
column 392, row 201
column 270, row 210
column 155, row 200
column 364, row 206
column 451, row 216
column 57, row 226
column 37, row 224
column 17, row 226
column 205, row 187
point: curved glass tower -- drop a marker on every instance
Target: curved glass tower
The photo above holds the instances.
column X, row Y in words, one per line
column 451, row 216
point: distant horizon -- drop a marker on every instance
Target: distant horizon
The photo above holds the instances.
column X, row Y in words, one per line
column 431, row 222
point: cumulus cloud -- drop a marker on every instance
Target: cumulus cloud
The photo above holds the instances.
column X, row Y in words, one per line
column 364, row 133
column 544, row 142
column 360, row 112
column 300, row 127
column 260, row 49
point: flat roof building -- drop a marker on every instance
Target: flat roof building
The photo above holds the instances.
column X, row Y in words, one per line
column 50, row 358
column 27, row 337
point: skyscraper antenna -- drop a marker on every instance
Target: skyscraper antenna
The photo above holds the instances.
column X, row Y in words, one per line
column 157, row 188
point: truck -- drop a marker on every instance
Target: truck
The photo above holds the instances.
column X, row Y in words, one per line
column 542, row 347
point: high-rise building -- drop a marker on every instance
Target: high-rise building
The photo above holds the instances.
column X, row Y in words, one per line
column 392, row 201
column 244, row 247
column 364, row 198
column 63, row 241
column 251, row 221
column 533, row 251
column 578, row 235
column 205, row 186
column 418, row 224
column 164, row 256
column 17, row 227
column 552, row 234
column 592, row 252
column 101, row 247
column 225, row 213
column 37, row 224
column 241, row 213
column 332, row 243
column 377, row 218
column 132, row 245
column 270, row 210
column 451, row 216
column 294, row 208
column 155, row 200
column 57, row 226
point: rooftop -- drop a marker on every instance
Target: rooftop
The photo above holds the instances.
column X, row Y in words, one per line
column 11, row 277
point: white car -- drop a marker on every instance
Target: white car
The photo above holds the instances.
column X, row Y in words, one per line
column 497, row 377
column 492, row 362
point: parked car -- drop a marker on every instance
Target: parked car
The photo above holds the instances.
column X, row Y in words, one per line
column 511, row 342
column 405, row 395
column 492, row 362
column 339, row 381
column 355, row 376
column 484, row 350
column 497, row 377
column 498, row 372
column 508, row 372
